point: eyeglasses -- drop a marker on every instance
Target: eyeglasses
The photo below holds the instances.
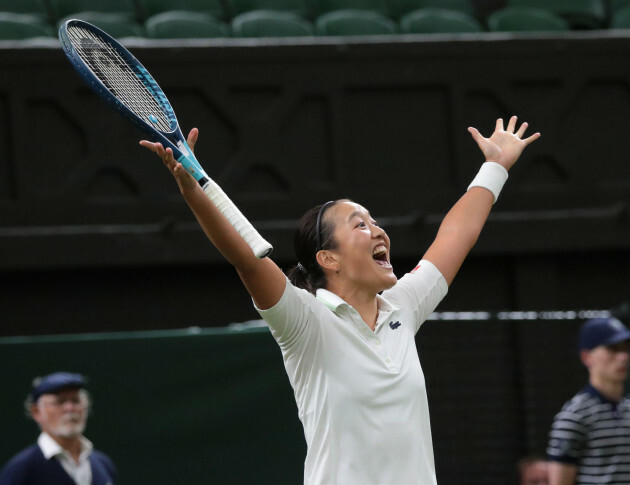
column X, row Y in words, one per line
column 59, row 402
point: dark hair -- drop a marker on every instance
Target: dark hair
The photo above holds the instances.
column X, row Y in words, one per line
column 310, row 275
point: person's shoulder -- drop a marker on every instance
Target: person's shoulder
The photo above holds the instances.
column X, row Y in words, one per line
column 580, row 404
column 103, row 459
column 99, row 455
column 20, row 463
column 28, row 454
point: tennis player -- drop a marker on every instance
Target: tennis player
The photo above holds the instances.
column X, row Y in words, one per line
column 348, row 350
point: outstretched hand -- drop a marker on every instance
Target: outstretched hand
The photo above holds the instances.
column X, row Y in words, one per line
column 504, row 146
column 184, row 179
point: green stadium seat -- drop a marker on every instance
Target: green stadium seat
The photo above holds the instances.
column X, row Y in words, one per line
column 149, row 8
column 185, row 25
column 114, row 24
column 297, row 7
column 522, row 19
column 321, row 7
column 402, row 7
column 621, row 18
column 67, row 8
column 438, row 21
column 38, row 8
column 354, row 22
column 271, row 23
column 15, row 26
column 581, row 14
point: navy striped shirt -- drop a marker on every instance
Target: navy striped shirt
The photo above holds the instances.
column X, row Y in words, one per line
column 593, row 433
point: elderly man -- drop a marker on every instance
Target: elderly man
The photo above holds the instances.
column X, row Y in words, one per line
column 59, row 404
column 589, row 441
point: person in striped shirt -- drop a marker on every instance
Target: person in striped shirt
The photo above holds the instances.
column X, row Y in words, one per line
column 589, row 441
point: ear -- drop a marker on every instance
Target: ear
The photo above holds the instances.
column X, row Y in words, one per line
column 35, row 413
column 585, row 357
column 328, row 260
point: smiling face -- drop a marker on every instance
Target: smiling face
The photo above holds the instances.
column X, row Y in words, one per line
column 362, row 252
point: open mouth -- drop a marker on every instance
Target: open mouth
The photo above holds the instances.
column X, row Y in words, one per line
column 379, row 255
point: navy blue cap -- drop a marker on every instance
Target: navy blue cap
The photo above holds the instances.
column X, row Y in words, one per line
column 602, row 331
column 53, row 383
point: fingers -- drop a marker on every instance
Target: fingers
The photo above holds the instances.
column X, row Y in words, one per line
column 192, row 138
column 165, row 154
column 532, row 138
column 478, row 137
column 474, row 132
column 149, row 145
column 499, row 125
column 521, row 130
column 512, row 124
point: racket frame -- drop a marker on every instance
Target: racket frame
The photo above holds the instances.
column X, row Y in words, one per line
column 173, row 139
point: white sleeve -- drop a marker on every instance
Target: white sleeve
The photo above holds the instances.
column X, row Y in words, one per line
column 419, row 291
column 293, row 319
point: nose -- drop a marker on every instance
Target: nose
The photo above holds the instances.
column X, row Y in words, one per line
column 378, row 231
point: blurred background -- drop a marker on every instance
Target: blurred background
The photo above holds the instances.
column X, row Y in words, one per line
column 298, row 102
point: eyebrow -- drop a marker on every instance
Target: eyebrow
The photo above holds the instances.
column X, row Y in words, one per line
column 357, row 213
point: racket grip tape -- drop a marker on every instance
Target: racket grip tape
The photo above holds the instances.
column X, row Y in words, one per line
column 260, row 247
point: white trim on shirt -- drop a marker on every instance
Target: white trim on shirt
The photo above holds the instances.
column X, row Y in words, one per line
column 80, row 472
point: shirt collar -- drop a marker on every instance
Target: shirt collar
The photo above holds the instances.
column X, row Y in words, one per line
column 334, row 302
column 592, row 391
column 51, row 448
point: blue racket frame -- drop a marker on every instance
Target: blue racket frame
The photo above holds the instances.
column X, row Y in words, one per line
column 173, row 139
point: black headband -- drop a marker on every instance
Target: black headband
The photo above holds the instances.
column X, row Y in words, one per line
column 318, row 224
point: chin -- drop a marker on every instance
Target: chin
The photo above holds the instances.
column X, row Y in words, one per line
column 391, row 281
column 70, row 430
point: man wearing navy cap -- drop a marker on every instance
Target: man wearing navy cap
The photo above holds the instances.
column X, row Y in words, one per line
column 59, row 404
column 589, row 442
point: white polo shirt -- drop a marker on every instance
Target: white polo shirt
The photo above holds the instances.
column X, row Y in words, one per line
column 360, row 393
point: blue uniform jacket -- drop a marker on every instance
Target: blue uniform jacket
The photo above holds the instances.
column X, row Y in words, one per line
column 30, row 467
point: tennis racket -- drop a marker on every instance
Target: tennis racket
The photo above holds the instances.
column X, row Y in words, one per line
column 117, row 77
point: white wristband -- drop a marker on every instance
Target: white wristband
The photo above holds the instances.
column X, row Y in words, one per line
column 491, row 176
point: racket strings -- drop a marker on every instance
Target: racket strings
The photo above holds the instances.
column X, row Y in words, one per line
column 120, row 78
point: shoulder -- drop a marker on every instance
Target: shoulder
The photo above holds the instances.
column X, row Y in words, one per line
column 20, row 464
column 101, row 460
column 291, row 297
column 578, row 407
column 423, row 278
column 99, row 455
column 27, row 455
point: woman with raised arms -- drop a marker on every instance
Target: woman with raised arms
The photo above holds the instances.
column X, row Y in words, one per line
column 346, row 325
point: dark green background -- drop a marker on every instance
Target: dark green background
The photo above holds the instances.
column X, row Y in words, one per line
column 170, row 407
column 214, row 406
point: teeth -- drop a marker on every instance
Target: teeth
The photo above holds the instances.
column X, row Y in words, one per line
column 379, row 250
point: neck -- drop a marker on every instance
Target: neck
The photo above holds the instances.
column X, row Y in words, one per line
column 364, row 303
column 610, row 389
column 71, row 445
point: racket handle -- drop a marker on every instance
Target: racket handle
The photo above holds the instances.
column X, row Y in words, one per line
column 260, row 247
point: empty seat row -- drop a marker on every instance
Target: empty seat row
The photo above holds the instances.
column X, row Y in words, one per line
column 581, row 14
column 141, row 10
column 274, row 23
column 257, row 23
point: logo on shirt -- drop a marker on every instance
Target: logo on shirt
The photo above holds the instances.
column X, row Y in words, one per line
column 393, row 325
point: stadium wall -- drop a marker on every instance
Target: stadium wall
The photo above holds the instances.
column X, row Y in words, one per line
column 95, row 237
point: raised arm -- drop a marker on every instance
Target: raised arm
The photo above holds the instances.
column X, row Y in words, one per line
column 262, row 278
column 462, row 225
